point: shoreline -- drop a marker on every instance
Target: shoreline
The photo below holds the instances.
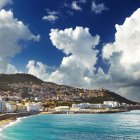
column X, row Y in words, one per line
column 88, row 111
column 9, row 123
column 9, row 119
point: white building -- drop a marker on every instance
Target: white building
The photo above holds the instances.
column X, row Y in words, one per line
column 10, row 107
column 75, row 108
column 98, row 106
column 112, row 104
column 124, row 105
column 33, row 107
column 2, row 106
column 81, row 105
column 62, row 108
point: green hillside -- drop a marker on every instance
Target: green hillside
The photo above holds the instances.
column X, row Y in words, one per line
column 58, row 90
column 18, row 78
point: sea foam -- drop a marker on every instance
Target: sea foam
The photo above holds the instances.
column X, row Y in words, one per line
column 11, row 123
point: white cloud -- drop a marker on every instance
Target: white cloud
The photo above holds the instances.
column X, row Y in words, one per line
column 35, row 37
column 11, row 69
column 51, row 16
column 78, row 42
column 4, row 2
column 98, row 8
column 38, row 69
column 5, row 67
column 127, row 41
column 78, row 66
column 124, row 57
column 12, row 31
column 79, row 46
column 75, row 6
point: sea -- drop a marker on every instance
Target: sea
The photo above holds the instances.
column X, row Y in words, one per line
column 117, row 126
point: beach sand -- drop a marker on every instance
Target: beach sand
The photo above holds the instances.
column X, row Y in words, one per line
column 5, row 122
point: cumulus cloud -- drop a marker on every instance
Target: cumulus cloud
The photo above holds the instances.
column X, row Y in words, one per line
column 78, row 42
column 4, row 2
column 123, row 55
column 52, row 16
column 78, row 65
column 38, row 69
column 98, row 8
column 81, row 56
column 75, row 6
column 127, row 41
column 12, row 31
column 5, row 67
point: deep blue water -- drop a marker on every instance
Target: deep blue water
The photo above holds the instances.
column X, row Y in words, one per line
column 119, row 126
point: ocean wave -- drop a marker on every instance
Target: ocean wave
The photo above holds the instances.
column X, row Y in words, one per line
column 11, row 123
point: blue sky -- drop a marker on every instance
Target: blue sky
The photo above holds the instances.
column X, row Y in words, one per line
column 73, row 55
column 31, row 12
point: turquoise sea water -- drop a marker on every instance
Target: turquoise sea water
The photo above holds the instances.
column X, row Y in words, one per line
column 119, row 126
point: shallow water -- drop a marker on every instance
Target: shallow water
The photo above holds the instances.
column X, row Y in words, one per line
column 118, row 126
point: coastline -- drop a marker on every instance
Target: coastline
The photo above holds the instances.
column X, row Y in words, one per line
column 97, row 126
column 8, row 123
column 9, row 119
column 87, row 111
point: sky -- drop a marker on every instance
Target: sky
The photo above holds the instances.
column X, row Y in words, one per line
column 84, row 43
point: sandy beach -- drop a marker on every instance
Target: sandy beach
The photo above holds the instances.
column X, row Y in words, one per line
column 11, row 118
column 5, row 122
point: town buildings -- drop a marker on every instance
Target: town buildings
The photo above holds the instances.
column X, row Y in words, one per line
column 31, row 107
column 8, row 106
column 106, row 104
column 62, row 109
column 112, row 104
column 2, row 106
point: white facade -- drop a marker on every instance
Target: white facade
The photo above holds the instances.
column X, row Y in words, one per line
column 112, row 104
column 82, row 105
column 2, row 106
column 10, row 107
column 106, row 104
column 75, row 109
column 62, row 108
column 33, row 107
column 98, row 106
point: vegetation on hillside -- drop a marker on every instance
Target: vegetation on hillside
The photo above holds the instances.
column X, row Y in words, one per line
column 57, row 90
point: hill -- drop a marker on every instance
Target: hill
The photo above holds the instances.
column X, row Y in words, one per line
column 109, row 96
column 29, row 86
column 6, row 79
column 18, row 78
